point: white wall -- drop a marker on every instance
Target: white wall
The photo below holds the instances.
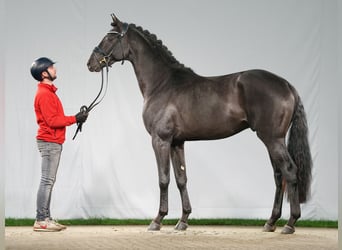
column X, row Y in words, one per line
column 110, row 170
column 2, row 132
column 339, row 41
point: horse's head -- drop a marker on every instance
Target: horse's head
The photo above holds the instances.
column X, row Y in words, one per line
column 111, row 49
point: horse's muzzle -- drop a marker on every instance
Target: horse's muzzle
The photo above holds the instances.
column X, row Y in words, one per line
column 93, row 67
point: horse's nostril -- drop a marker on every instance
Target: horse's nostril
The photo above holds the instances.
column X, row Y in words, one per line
column 90, row 68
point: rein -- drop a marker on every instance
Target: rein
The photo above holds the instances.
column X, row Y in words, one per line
column 105, row 59
column 94, row 103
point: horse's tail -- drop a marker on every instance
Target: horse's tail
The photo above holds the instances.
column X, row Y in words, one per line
column 299, row 149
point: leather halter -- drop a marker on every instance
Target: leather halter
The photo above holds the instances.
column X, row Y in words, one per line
column 105, row 57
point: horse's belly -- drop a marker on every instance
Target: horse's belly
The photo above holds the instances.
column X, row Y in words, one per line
column 211, row 129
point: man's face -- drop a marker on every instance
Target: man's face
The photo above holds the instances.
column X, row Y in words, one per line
column 52, row 71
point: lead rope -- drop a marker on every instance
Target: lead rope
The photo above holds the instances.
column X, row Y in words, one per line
column 84, row 108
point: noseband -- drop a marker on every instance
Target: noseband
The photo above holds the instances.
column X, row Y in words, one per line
column 105, row 57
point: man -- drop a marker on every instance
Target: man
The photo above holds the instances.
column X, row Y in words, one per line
column 52, row 124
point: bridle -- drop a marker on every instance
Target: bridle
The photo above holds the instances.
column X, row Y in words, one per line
column 105, row 57
column 103, row 60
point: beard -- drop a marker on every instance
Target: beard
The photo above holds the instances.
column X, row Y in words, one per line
column 52, row 78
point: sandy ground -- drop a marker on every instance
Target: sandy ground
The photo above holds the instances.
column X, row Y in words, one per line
column 196, row 237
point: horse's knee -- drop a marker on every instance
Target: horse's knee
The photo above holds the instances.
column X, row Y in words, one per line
column 164, row 184
column 181, row 183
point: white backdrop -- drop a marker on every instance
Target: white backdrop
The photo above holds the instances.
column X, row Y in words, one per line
column 110, row 170
column 340, row 123
column 2, row 132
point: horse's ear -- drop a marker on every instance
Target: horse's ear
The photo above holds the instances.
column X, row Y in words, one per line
column 115, row 20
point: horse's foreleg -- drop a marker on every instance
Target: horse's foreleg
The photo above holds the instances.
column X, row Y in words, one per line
column 162, row 153
column 178, row 163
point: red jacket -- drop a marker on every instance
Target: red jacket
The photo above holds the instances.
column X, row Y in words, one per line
column 50, row 115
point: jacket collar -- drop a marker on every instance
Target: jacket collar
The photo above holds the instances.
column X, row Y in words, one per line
column 52, row 87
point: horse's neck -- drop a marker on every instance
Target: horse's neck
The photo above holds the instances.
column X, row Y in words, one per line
column 149, row 69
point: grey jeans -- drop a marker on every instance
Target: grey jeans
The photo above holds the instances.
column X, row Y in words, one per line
column 50, row 153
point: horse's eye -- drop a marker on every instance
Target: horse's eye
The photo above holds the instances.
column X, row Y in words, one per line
column 109, row 38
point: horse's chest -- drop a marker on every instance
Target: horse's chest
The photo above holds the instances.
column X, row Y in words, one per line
column 154, row 113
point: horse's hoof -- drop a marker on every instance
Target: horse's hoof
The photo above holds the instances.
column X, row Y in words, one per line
column 154, row 226
column 269, row 228
column 181, row 226
column 288, row 230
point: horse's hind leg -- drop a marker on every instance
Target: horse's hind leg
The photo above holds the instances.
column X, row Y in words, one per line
column 285, row 168
column 178, row 163
column 278, row 201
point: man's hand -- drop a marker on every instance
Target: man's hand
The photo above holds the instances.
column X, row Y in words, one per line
column 81, row 116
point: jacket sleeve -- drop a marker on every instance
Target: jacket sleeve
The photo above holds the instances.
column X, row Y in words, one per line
column 53, row 113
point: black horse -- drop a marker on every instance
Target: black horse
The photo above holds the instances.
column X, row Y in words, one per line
column 180, row 106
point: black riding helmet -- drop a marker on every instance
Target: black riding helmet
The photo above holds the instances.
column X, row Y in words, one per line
column 39, row 66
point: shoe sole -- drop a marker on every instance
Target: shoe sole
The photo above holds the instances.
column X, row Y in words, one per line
column 46, row 230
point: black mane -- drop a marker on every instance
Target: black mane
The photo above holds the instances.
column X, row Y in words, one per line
column 158, row 45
